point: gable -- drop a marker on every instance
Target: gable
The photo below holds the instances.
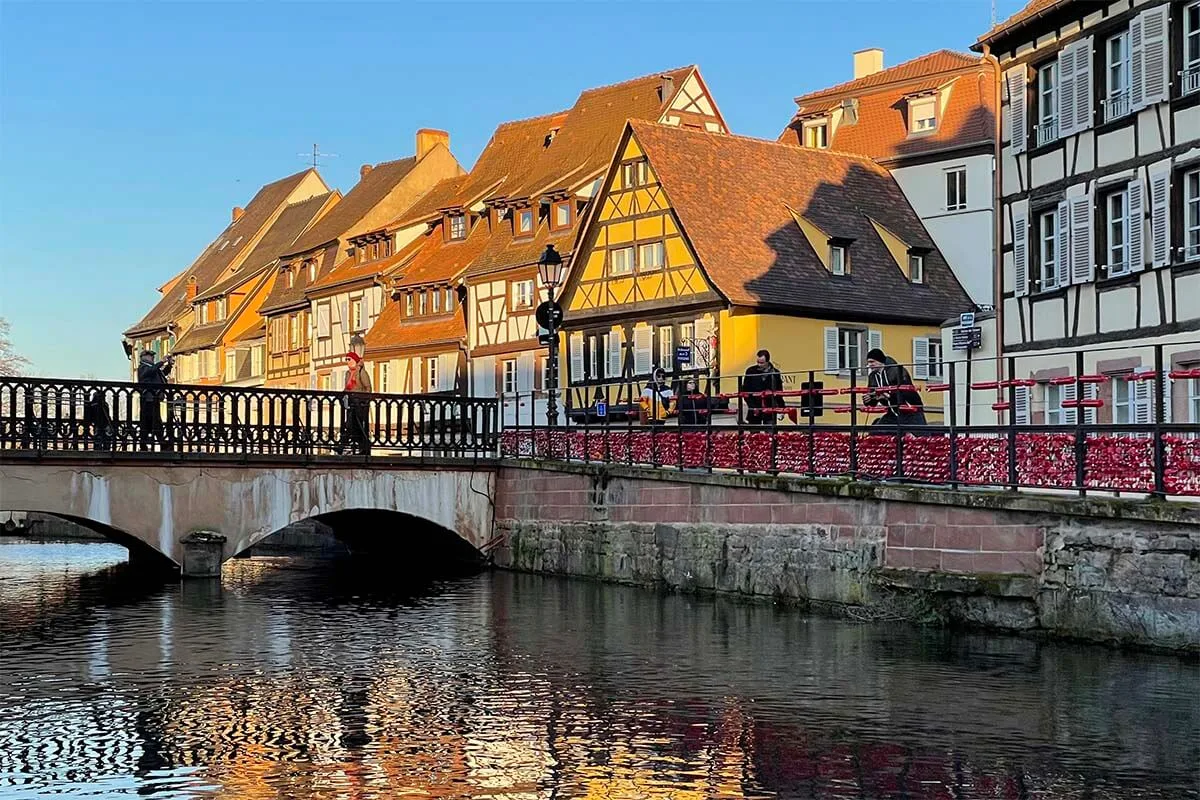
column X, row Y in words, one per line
column 693, row 107
column 635, row 252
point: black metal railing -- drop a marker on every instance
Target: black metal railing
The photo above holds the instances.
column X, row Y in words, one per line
column 43, row 415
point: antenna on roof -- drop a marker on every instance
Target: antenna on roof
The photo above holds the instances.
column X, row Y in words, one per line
column 316, row 155
column 993, row 13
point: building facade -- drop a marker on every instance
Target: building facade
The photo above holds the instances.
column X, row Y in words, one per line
column 813, row 255
column 1100, row 205
column 931, row 122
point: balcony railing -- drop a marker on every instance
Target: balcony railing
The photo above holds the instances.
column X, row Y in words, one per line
column 1047, row 131
column 1117, row 105
column 1191, row 79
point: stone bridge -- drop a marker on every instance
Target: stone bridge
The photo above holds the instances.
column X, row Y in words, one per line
column 194, row 515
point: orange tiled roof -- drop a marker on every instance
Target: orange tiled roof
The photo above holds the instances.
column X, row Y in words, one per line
column 218, row 256
column 288, row 226
column 428, row 208
column 391, row 331
column 439, row 261
column 734, row 197
column 1034, row 9
column 366, row 194
column 881, row 131
column 348, row 271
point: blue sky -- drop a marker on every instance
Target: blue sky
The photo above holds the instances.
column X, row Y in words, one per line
column 128, row 131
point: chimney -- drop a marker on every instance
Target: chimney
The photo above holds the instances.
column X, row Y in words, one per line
column 364, row 171
column 666, row 88
column 238, row 211
column 868, row 62
column 429, row 138
column 192, row 286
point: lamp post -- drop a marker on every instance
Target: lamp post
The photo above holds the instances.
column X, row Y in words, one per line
column 358, row 345
column 549, row 316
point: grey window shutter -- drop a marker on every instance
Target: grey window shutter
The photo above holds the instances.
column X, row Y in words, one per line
column 1136, row 222
column 831, row 351
column 1017, row 109
column 1160, row 216
column 1020, row 254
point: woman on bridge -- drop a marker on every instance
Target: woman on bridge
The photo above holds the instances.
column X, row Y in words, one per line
column 355, row 424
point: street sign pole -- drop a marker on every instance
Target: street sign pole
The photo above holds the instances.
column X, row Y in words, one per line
column 549, row 315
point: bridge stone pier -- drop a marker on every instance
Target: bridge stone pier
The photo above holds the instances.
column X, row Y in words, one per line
column 194, row 516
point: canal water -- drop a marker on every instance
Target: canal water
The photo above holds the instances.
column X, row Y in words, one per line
column 307, row 679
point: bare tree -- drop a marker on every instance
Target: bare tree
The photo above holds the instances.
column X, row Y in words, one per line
column 10, row 362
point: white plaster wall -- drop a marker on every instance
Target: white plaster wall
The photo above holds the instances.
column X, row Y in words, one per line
column 964, row 237
column 1048, row 318
column 1118, row 309
column 1047, row 167
column 1115, row 146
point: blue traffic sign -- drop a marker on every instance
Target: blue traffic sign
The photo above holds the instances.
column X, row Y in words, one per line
column 601, row 408
column 683, row 354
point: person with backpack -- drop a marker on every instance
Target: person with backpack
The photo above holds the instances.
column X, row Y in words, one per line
column 891, row 386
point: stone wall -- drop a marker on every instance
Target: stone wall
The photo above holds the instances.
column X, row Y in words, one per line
column 1099, row 569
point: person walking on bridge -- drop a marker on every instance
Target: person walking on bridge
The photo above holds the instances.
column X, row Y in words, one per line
column 355, row 423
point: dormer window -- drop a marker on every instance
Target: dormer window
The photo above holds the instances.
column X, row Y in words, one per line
column 634, row 174
column 437, row 301
column 839, row 259
column 458, row 227
column 291, row 277
column 421, row 304
column 408, row 304
column 497, row 218
column 922, row 114
column 525, row 221
column 560, row 215
column 312, row 271
column 816, row 133
column 916, row 267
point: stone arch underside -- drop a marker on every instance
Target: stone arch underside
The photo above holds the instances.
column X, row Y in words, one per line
column 161, row 505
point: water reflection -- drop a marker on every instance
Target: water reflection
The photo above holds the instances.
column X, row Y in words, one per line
column 332, row 680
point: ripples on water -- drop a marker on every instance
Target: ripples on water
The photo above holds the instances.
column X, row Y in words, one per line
column 320, row 680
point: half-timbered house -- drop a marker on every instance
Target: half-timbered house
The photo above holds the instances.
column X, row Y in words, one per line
column 1100, row 204
column 704, row 249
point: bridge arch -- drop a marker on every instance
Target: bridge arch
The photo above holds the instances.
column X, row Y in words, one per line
column 164, row 506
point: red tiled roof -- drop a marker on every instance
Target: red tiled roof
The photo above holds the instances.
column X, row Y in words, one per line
column 365, row 195
column 391, row 331
column 440, row 261
column 734, row 197
column 882, row 132
column 1017, row 20
column 428, row 208
column 218, row 256
column 348, row 271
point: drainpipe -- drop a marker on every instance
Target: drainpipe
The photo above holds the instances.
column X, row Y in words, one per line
column 997, row 222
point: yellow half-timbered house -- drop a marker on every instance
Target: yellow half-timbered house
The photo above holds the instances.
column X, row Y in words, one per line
column 706, row 248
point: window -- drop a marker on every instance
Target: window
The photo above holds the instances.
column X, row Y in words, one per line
column 634, row 174
column 291, row 277
column 437, row 301
column 1116, row 75
column 294, row 330
column 1116, row 209
column 1193, row 403
column 312, row 271
column 509, row 366
column 385, row 377
column 498, row 218
column 916, row 267
column 1048, row 249
column 1191, row 215
column 651, row 256
column 203, row 308
column 562, row 215
column 408, row 304
column 956, row 189
column 525, row 220
column 1055, row 413
column 816, row 134
column 256, row 360
column 449, row 299
column 837, row 259
column 620, row 261
column 666, row 348
column 1191, row 48
column 687, row 338
column 1047, row 92
column 922, row 114
column 458, row 227
column 356, row 315
column 231, row 365
column 1122, row 401
column 522, row 294
column 222, row 308
column 421, row 303
column 935, row 358
column 849, row 347
column 593, row 358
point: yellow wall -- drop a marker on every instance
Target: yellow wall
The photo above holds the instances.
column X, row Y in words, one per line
column 797, row 344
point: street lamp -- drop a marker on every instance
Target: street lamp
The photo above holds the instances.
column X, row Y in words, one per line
column 549, row 315
column 358, row 345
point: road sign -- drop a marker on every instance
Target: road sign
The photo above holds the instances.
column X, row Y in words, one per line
column 966, row 319
column 545, row 338
column 967, row 338
column 601, row 408
column 683, row 355
column 549, row 315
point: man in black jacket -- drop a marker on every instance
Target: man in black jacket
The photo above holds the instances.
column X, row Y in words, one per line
column 152, row 375
column 762, row 376
column 885, row 379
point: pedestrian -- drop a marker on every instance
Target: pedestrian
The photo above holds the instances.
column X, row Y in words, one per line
column 355, row 423
column 692, row 405
column 761, row 381
column 98, row 422
column 656, row 399
column 891, row 386
column 152, row 376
